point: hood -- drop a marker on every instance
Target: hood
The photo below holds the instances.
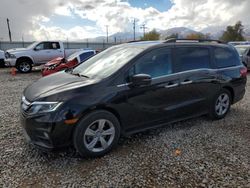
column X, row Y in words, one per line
column 14, row 50
column 55, row 83
column 54, row 62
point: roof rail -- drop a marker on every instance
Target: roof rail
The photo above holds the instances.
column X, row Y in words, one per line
column 193, row 40
column 132, row 41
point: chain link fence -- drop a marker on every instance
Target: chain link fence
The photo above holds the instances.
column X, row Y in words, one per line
column 4, row 45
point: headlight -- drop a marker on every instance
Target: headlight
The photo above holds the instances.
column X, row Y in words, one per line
column 52, row 67
column 43, row 107
column 12, row 56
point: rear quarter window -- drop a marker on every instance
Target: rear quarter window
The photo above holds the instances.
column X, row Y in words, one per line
column 191, row 58
column 226, row 58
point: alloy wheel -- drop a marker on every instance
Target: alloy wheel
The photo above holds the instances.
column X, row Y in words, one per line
column 222, row 104
column 99, row 135
column 24, row 66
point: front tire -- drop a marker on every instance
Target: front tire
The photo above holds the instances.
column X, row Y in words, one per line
column 96, row 134
column 221, row 105
column 24, row 66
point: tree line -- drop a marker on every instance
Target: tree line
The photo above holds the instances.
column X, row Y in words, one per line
column 232, row 33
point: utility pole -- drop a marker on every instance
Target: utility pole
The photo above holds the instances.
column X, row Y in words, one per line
column 8, row 24
column 22, row 40
column 87, row 40
column 144, row 29
column 134, row 22
column 107, row 31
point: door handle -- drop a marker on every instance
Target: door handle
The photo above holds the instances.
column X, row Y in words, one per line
column 171, row 85
column 186, row 82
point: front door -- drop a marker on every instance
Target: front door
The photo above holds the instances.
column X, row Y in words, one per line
column 46, row 51
column 157, row 103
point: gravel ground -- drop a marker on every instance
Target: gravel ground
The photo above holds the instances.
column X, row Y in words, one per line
column 193, row 153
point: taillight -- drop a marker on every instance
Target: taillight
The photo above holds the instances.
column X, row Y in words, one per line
column 243, row 72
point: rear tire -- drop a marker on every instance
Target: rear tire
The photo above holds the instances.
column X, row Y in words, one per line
column 96, row 134
column 221, row 105
column 24, row 65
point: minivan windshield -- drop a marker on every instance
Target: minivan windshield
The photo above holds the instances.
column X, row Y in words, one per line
column 107, row 62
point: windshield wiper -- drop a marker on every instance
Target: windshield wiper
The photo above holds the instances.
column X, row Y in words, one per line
column 80, row 75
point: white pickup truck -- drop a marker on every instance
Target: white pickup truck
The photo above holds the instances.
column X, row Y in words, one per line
column 37, row 53
column 2, row 58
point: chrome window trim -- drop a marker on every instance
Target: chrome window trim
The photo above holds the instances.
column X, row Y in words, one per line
column 188, row 71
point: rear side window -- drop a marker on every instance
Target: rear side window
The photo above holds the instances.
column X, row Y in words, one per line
column 225, row 58
column 85, row 56
column 54, row 45
column 190, row 58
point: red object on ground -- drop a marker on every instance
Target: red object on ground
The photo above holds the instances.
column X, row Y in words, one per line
column 13, row 71
column 57, row 65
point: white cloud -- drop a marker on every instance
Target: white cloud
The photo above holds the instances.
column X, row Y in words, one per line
column 63, row 11
column 75, row 33
column 29, row 17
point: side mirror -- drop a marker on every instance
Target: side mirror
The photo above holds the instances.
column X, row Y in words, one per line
column 141, row 80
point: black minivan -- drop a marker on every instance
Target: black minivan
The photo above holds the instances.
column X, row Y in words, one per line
column 130, row 88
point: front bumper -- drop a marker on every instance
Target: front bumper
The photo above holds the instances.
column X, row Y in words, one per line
column 45, row 134
column 10, row 62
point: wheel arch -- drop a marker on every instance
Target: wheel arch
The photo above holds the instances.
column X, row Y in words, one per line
column 101, row 107
column 231, row 90
column 24, row 57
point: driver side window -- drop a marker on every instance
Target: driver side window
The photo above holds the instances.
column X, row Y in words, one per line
column 155, row 63
column 40, row 46
column 47, row 46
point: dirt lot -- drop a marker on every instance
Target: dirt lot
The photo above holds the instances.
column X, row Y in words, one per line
column 210, row 153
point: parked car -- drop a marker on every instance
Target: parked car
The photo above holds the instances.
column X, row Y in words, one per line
column 2, row 57
column 37, row 53
column 244, row 52
column 235, row 43
column 60, row 63
column 130, row 88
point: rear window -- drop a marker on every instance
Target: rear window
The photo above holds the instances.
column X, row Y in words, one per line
column 225, row 58
column 190, row 58
column 85, row 56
